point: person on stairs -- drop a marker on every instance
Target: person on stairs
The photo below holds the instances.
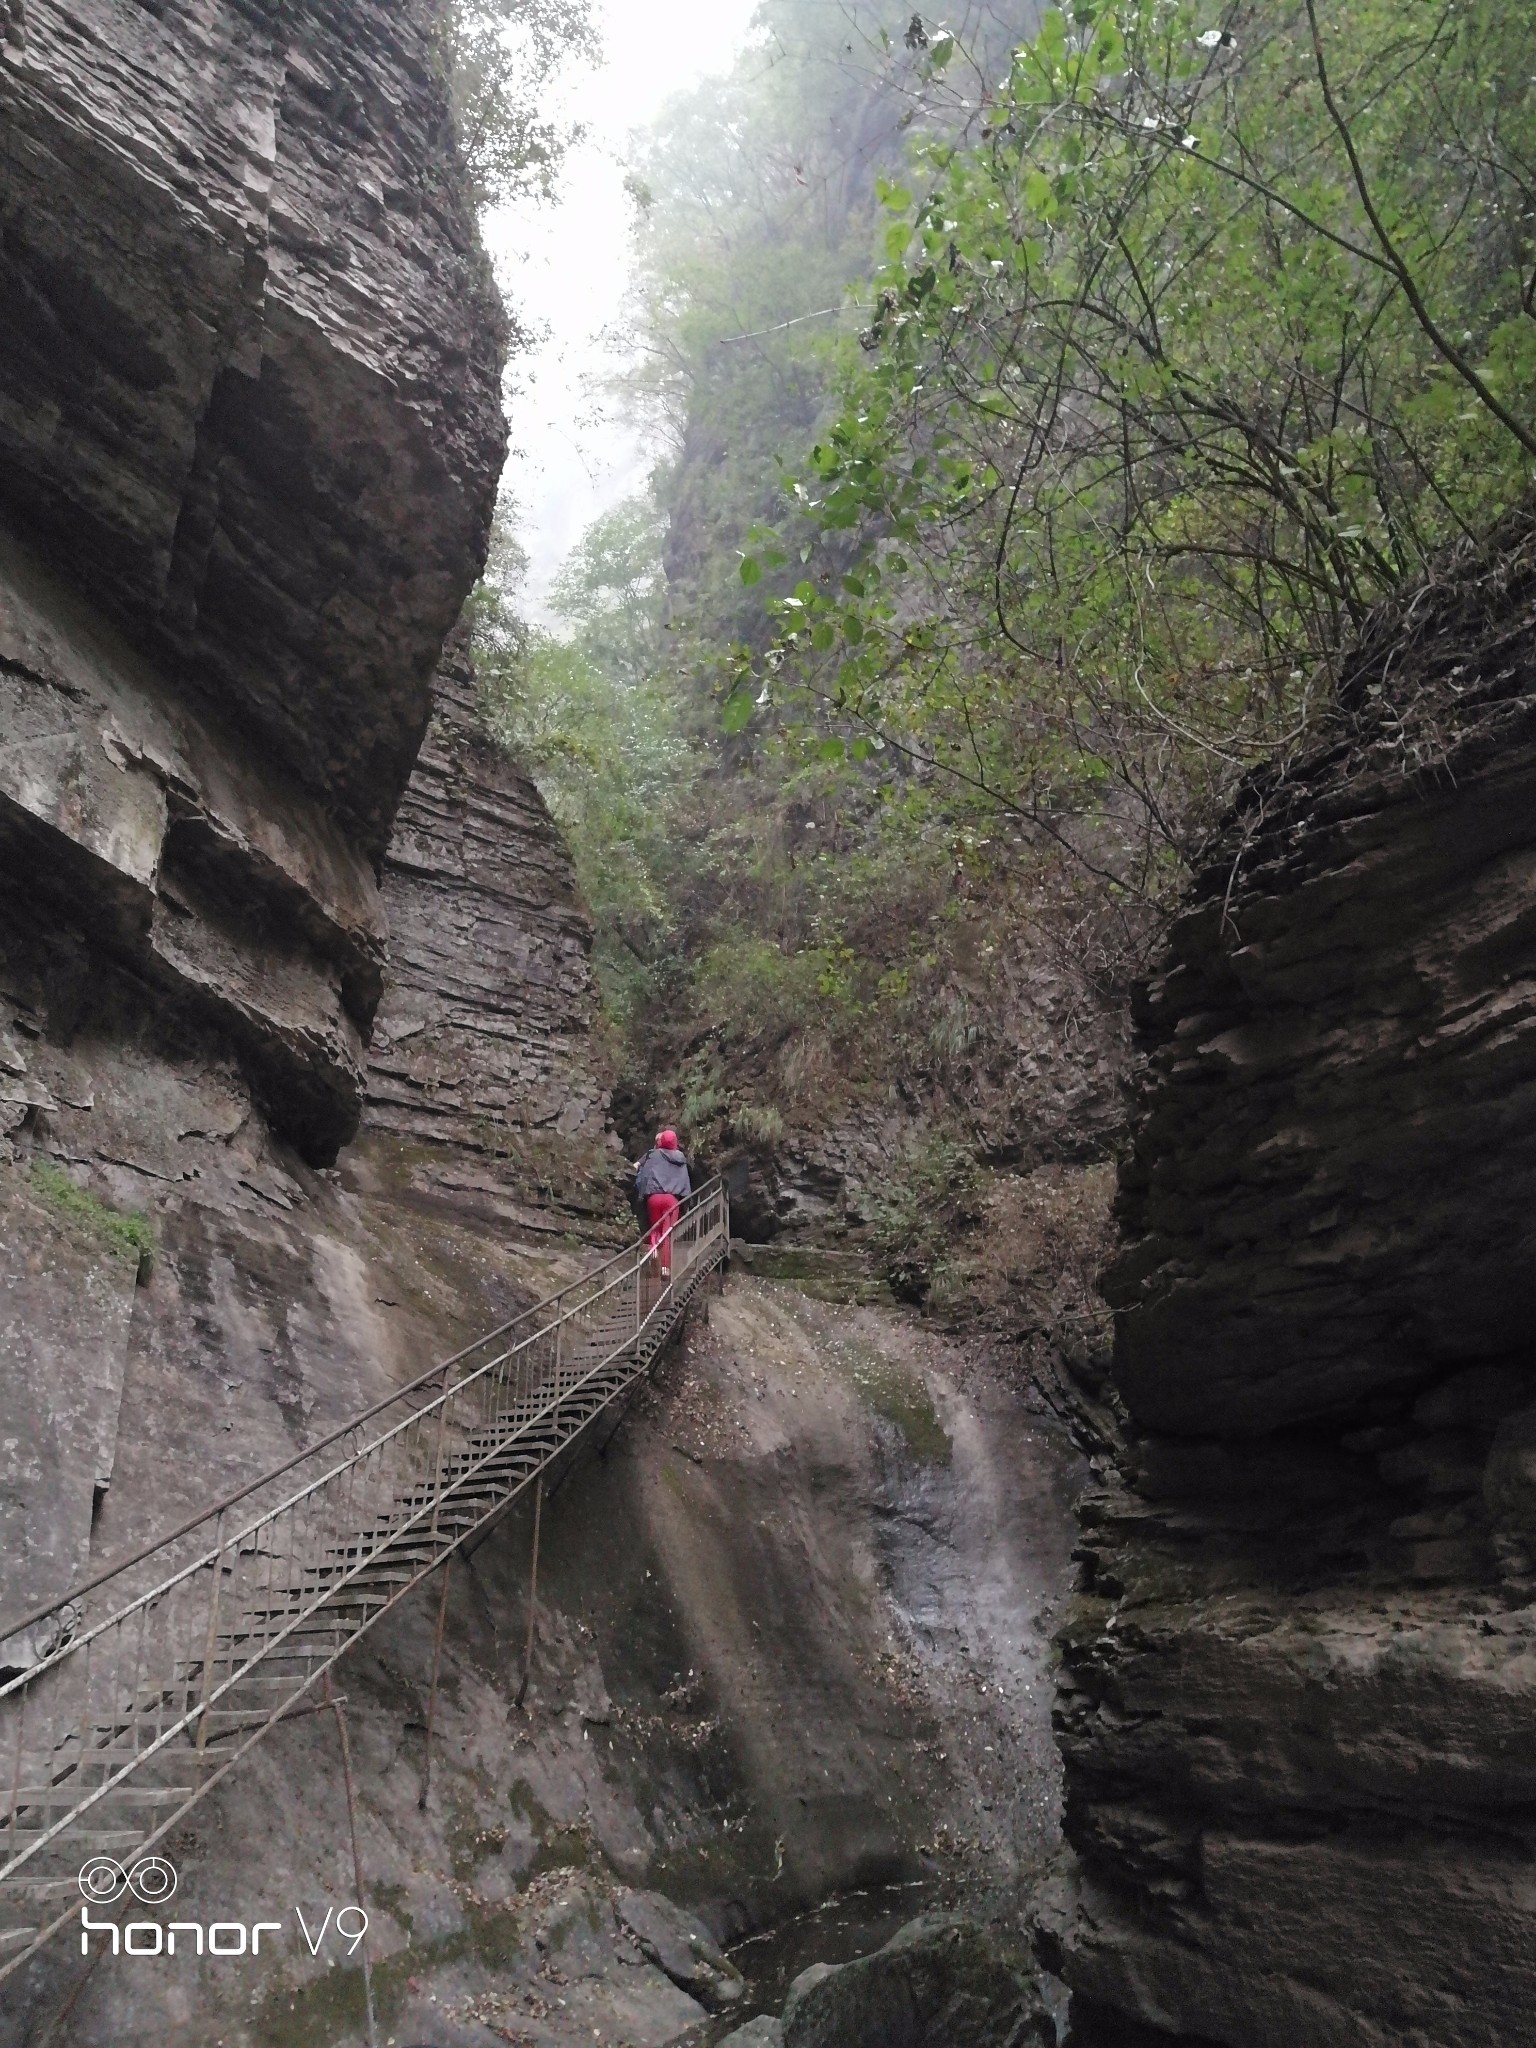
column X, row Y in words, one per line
column 661, row 1182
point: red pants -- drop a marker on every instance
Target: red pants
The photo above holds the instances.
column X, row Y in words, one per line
column 662, row 1211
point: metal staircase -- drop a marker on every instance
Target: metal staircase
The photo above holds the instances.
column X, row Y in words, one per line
column 167, row 1667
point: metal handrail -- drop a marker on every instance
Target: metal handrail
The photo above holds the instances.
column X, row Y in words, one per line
column 47, row 1608
column 309, row 1571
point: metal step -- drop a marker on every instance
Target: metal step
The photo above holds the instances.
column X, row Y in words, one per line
column 334, row 1582
column 101, row 1840
column 136, row 1795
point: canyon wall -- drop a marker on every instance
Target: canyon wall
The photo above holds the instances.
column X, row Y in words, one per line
column 250, row 361
column 1301, row 1668
column 250, row 438
column 482, row 1099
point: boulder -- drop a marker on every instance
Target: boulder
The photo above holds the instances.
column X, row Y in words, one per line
column 680, row 1945
column 941, row 1982
column 763, row 2032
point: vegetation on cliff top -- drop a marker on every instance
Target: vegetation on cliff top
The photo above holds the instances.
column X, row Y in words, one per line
column 1217, row 332
column 770, row 934
column 503, row 59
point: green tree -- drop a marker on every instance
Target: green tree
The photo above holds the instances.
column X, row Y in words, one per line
column 503, row 58
column 755, row 211
column 591, row 716
column 611, row 591
column 1217, row 331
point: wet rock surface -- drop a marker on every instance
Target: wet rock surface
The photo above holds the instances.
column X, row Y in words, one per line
column 683, row 1772
column 940, row 1982
column 680, row 1945
column 1305, row 1635
column 763, row 2032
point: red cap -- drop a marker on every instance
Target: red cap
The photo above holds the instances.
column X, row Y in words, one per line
column 667, row 1140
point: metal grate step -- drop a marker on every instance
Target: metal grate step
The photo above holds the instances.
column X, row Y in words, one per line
column 256, row 1599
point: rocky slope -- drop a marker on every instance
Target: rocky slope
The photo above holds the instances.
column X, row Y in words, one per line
column 1297, row 1677
column 793, row 1639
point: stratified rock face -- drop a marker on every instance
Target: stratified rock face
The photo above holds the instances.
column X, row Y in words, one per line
column 1299, row 1673
column 482, row 1094
column 250, row 432
column 249, row 364
column 1333, row 1189
column 215, row 878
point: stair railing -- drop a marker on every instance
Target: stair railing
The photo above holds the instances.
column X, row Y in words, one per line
column 108, row 1738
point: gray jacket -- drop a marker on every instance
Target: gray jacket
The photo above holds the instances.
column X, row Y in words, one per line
column 663, row 1173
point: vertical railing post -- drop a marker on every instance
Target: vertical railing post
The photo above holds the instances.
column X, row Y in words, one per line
column 437, row 1658
column 211, row 1637
column 21, row 1737
column 533, row 1588
column 437, row 1467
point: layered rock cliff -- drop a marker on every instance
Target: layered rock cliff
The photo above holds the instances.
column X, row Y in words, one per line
column 482, row 1096
column 1299, row 1673
column 250, row 360
column 250, row 436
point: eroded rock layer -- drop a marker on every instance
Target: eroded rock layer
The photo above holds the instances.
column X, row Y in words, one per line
column 250, row 432
column 1298, row 1675
column 249, row 366
column 207, row 871
column 482, row 1093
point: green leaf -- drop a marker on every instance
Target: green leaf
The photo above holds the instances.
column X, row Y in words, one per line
column 1039, row 194
column 831, row 750
column 737, row 712
column 751, row 570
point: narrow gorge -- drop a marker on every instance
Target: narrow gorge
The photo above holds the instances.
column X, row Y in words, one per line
column 299, row 1092
column 987, row 1621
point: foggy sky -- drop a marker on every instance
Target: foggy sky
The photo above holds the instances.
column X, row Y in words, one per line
column 566, row 267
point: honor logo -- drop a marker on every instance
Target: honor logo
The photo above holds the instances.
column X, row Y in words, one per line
column 152, row 1881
